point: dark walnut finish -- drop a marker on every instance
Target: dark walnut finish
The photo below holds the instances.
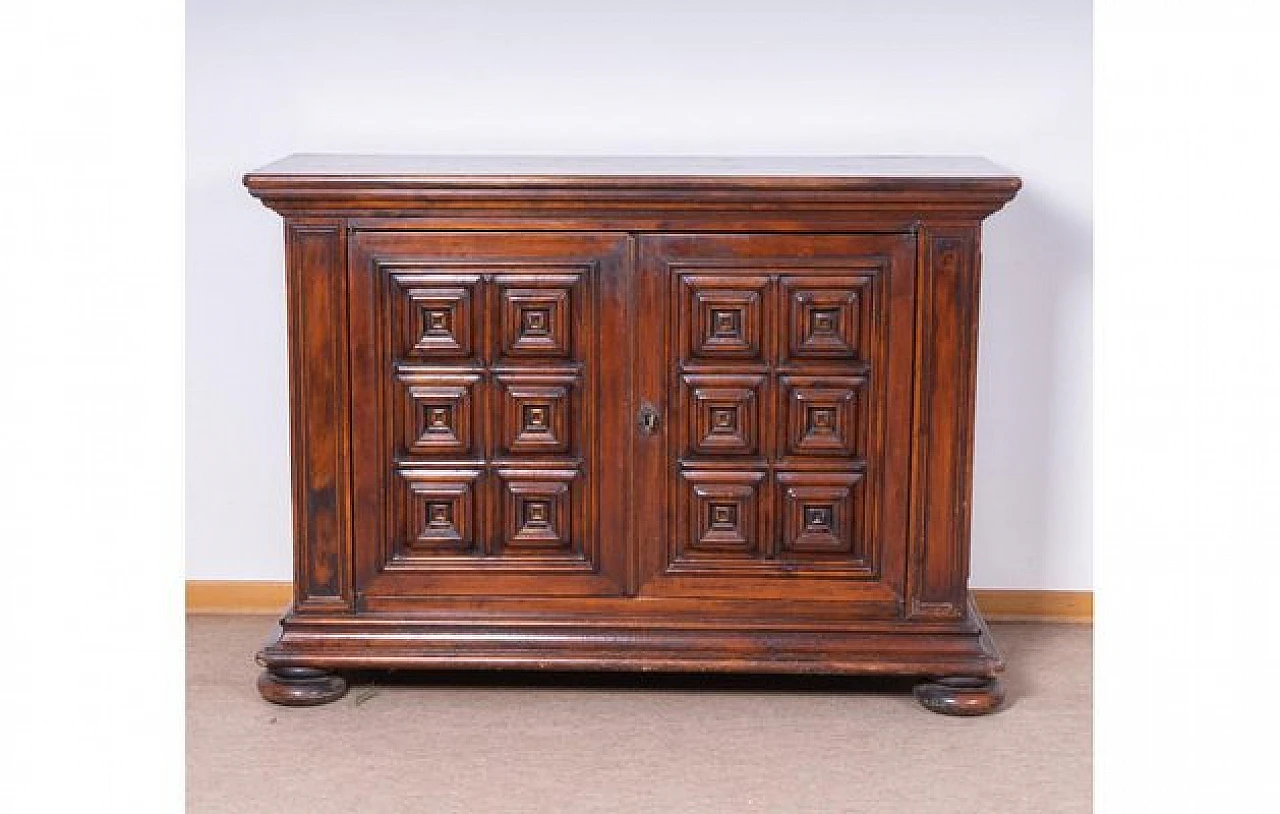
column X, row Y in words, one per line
column 300, row 686
column 633, row 414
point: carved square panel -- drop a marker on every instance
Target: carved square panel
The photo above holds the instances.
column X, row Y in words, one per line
column 822, row 414
column 438, row 417
column 824, row 316
column 433, row 314
column 539, row 513
column 720, row 516
column 536, row 414
column 723, row 414
column 536, row 314
column 818, row 514
column 724, row 316
column 438, row 512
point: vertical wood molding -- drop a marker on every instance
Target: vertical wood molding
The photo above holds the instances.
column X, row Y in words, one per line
column 318, row 411
column 946, row 334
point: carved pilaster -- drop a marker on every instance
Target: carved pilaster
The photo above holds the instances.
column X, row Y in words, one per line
column 946, row 369
column 318, row 399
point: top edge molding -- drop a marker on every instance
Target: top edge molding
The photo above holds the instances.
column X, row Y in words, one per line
column 393, row 183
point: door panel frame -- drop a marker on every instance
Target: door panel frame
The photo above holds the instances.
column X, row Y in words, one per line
column 594, row 322
column 656, row 469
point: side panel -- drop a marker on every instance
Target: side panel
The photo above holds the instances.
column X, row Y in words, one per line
column 317, row 305
column 942, row 468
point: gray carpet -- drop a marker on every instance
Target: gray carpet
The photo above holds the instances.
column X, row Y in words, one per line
column 636, row 744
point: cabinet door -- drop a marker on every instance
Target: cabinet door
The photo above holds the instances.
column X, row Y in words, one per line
column 490, row 413
column 780, row 369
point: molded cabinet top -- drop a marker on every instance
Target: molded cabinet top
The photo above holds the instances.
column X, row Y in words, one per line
column 910, row 188
column 529, row 166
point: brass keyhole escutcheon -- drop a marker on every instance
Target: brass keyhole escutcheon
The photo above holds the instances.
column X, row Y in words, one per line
column 648, row 419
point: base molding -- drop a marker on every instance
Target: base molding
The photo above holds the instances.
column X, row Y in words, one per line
column 309, row 642
column 270, row 597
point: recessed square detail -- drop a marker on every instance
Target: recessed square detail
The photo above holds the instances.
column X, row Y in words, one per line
column 723, row 414
column 437, row 414
column 822, row 420
column 439, row 322
column 727, row 324
column 724, row 316
column 824, row 321
column 440, row 516
column 536, row 315
column 824, row 318
column 537, row 414
column 822, row 415
column 438, row 512
column 719, row 517
column 724, row 517
column 432, row 315
column 818, row 518
column 818, row 514
column 537, row 418
column 537, row 524
column 536, row 321
column 724, row 420
column 539, row 514
column 439, row 418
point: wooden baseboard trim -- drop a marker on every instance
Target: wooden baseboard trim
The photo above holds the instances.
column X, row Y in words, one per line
column 237, row 596
column 1035, row 606
column 251, row 596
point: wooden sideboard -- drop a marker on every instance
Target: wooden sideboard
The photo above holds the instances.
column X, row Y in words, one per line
column 673, row 414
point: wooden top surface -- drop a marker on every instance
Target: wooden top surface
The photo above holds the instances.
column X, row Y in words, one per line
column 662, row 191
column 561, row 168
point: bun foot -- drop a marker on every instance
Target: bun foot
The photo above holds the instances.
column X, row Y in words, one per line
column 300, row 686
column 960, row 695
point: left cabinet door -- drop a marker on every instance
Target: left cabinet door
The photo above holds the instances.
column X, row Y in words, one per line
column 490, row 414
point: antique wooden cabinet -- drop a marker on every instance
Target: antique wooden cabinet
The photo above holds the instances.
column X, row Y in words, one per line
column 632, row 414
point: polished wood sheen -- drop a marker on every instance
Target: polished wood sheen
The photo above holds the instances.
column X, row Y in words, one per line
column 239, row 597
column 300, row 686
column 695, row 414
column 961, row 695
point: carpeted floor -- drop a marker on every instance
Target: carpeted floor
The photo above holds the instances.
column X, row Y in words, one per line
column 636, row 743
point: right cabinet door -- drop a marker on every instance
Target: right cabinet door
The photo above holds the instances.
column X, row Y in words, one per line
column 780, row 371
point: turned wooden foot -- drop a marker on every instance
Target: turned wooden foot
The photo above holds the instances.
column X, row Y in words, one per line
column 300, row 686
column 960, row 695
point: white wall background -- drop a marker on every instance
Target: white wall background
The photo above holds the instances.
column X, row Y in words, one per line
column 1007, row 79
